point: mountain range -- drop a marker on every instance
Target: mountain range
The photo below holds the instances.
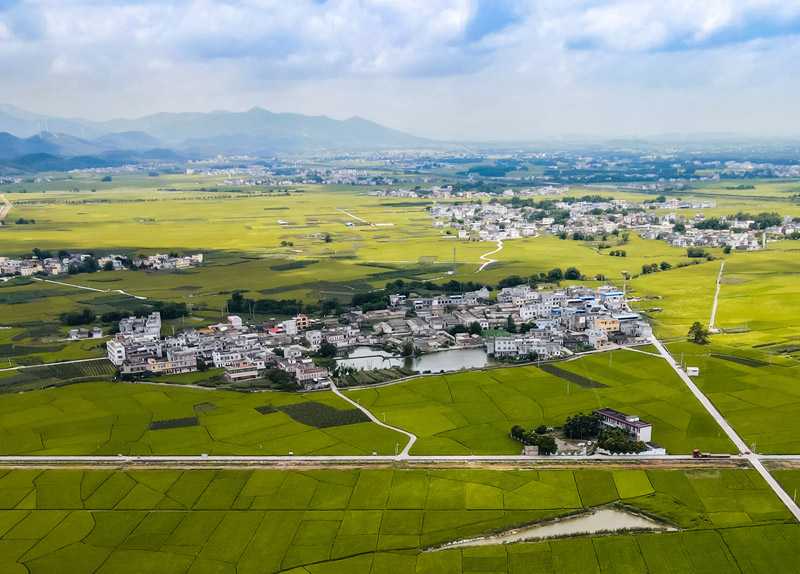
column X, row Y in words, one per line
column 189, row 135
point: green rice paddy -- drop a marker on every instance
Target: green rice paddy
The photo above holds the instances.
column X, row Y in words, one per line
column 318, row 521
column 474, row 412
column 114, row 418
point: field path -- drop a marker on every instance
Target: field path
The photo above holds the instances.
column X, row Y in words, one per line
column 353, row 216
column 412, row 438
column 716, row 298
column 56, row 363
column 91, row 288
column 753, row 458
column 5, row 208
column 485, row 256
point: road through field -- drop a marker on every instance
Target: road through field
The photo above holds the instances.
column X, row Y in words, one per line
column 412, row 438
column 716, row 298
column 485, row 256
column 351, row 215
column 91, row 288
column 753, row 458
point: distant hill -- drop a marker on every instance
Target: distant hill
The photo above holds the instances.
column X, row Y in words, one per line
column 135, row 140
column 219, row 132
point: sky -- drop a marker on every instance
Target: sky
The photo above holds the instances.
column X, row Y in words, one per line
column 446, row 69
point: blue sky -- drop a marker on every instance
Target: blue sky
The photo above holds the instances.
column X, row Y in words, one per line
column 451, row 69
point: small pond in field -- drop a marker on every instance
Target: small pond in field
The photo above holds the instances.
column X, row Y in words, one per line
column 602, row 520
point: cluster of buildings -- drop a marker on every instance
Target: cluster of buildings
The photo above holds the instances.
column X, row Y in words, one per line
column 738, row 233
column 47, row 265
column 574, row 317
column 244, row 352
column 58, row 265
column 163, row 261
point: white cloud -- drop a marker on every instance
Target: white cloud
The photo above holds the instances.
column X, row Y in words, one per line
column 524, row 69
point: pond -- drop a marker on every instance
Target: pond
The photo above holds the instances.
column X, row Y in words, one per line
column 603, row 520
column 368, row 359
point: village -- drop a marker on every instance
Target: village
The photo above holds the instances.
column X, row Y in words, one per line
column 589, row 219
column 553, row 324
column 44, row 263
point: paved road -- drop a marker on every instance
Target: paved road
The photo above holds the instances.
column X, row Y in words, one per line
column 412, row 438
column 5, row 208
column 485, row 256
column 500, row 458
column 753, row 458
column 716, row 298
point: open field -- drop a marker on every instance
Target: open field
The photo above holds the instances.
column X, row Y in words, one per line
column 474, row 412
column 375, row 521
column 111, row 418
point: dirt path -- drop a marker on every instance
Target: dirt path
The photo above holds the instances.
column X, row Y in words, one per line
column 485, row 256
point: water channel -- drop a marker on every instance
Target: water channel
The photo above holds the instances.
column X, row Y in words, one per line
column 367, row 358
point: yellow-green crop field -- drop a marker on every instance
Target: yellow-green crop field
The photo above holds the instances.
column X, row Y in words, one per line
column 377, row 521
column 474, row 412
column 114, row 418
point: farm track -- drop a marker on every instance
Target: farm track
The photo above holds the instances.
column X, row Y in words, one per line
column 486, row 258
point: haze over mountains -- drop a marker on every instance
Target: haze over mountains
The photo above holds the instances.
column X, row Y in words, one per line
column 162, row 135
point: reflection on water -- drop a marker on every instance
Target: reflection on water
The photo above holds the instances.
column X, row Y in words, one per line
column 367, row 359
column 603, row 520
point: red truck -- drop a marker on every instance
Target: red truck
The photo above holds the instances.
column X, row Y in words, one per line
column 698, row 454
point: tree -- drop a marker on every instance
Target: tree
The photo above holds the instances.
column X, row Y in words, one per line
column 555, row 274
column 615, row 440
column 511, row 326
column 541, row 429
column 327, row 350
column 679, row 228
column 75, row 318
column 108, row 266
column 665, row 266
column 517, row 432
column 475, row 328
column 726, row 250
column 546, row 443
column 572, row 274
column 582, row 426
column 407, row 349
column 698, row 334
column 328, row 238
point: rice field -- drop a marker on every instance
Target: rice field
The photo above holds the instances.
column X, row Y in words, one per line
column 366, row 521
column 115, row 418
column 474, row 412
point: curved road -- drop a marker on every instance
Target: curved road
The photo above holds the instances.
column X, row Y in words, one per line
column 485, row 256
column 412, row 438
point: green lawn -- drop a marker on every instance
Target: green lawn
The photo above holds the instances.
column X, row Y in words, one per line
column 459, row 413
column 373, row 521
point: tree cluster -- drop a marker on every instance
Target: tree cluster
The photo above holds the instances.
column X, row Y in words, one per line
column 75, row 318
column 545, row 442
column 582, row 426
column 615, row 440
